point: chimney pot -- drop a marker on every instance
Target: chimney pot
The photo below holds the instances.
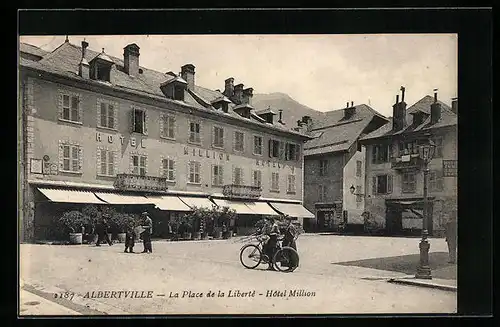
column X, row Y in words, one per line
column 238, row 93
column 435, row 95
column 454, row 105
column 402, row 93
column 187, row 73
column 347, row 104
column 229, row 87
column 83, row 67
column 397, row 99
column 280, row 116
column 131, row 59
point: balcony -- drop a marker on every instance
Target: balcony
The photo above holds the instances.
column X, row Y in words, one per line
column 241, row 191
column 130, row 182
column 410, row 161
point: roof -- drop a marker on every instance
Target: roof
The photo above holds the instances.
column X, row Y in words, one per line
column 448, row 118
column 64, row 61
column 31, row 49
column 338, row 133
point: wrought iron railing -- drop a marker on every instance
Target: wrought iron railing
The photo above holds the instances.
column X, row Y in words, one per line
column 131, row 182
column 241, row 191
column 407, row 162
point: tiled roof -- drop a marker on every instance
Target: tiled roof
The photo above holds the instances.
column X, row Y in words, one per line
column 338, row 133
column 448, row 118
column 31, row 49
column 64, row 61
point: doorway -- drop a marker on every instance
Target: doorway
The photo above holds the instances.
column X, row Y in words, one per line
column 393, row 220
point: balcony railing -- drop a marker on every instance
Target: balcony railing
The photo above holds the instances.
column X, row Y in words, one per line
column 241, row 191
column 410, row 161
column 130, row 182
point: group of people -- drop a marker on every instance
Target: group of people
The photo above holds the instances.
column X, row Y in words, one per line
column 272, row 230
column 130, row 235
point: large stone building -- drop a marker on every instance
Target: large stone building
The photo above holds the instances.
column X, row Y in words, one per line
column 334, row 167
column 95, row 127
column 394, row 176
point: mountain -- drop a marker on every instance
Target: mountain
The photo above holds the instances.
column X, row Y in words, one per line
column 292, row 110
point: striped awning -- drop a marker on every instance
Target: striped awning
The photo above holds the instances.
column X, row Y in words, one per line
column 238, row 206
column 262, row 208
column 115, row 198
column 169, row 203
column 70, row 196
column 197, row 202
column 292, row 210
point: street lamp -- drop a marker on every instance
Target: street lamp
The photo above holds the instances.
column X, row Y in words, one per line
column 426, row 152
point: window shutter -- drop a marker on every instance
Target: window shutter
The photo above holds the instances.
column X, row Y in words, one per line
column 287, row 151
column 440, row 180
column 146, row 164
column 374, row 185
column 162, row 125
column 145, row 124
column 98, row 161
column 171, row 126
column 297, row 152
column 98, row 106
column 115, row 115
column 115, row 157
column 132, row 120
column 131, row 163
column 242, row 176
column 270, row 143
column 374, row 153
column 389, row 183
column 234, row 175
column 61, row 155
column 282, row 150
column 391, row 151
column 80, row 157
column 173, row 169
column 60, row 104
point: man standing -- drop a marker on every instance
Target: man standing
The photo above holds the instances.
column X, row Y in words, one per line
column 102, row 232
column 148, row 230
column 451, row 237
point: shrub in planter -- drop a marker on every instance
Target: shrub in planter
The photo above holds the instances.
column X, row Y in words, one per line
column 93, row 215
column 73, row 222
column 119, row 222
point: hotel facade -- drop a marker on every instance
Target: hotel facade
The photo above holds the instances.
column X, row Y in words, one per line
column 102, row 130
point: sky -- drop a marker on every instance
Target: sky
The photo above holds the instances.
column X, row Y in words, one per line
column 322, row 72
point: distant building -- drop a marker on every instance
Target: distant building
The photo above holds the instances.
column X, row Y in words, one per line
column 334, row 163
column 394, row 196
column 107, row 131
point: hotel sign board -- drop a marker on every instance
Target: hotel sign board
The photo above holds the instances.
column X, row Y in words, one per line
column 450, row 168
column 129, row 182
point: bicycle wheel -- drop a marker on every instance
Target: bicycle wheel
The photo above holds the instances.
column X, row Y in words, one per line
column 250, row 256
column 286, row 259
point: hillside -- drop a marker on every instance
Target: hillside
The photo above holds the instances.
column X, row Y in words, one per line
column 292, row 110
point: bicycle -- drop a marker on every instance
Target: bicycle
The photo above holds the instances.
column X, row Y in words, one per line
column 285, row 259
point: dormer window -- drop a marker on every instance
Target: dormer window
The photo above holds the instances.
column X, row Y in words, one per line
column 221, row 103
column 103, row 72
column 100, row 67
column 174, row 88
column 179, row 92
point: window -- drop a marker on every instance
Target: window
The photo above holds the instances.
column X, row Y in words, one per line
column 107, row 162
column 275, row 182
column 179, row 92
column 409, row 183
column 382, row 184
column 139, row 121
column 276, row 149
column 194, row 132
column 194, row 172
column 239, row 141
column 71, row 158
column 323, row 167
column 103, row 72
column 167, row 126
column 218, row 139
column 323, row 192
column 70, row 107
column 257, row 178
column 291, row 152
column 438, row 151
column 290, row 184
column 107, row 115
column 257, row 145
column 359, row 194
column 380, row 154
column 139, row 165
column 436, row 181
column 238, row 176
column 359, row 166
column 217, row 175
column 169, row 169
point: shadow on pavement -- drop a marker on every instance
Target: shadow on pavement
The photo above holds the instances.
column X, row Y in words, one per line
column 407, row 264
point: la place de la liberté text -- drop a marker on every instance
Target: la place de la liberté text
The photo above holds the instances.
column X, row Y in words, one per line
column 190, row 294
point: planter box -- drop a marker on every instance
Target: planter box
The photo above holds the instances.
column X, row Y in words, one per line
column 204, row 236
column 75, row 238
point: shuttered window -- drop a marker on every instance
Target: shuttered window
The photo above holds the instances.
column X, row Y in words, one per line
column 194, row 172
column 194, row 132
column 69, row 107
column 239, row 144
column 217, row 175
column 382, row 184
column 257, row 178
column 275, row 182
column 70, row 157
column 436, row 181
column 106, row 162
column 167, row 126
column 139, row 165
column 218, row 137
column 290, row 184
column 169, row 169
column 237, row 176
column 257, row 145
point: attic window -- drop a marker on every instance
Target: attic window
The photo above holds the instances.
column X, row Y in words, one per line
column 179, row 92
column 101, row 71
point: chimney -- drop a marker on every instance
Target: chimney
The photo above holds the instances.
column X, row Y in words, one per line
column 347, row 104
column 229, row 87
column 83, row 66
column 131, row 59
column 454, row 105
column 399, row 113
column 187, row 73
column 435, row 109
column 280, row 120
column 238, row 93
column 352, row 103
column 247, row 96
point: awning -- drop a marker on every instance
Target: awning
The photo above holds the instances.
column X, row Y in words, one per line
column 70, row 196
column 169, row 203
column 261, row 208
column 114, row 198
column 292, row 210
column 240, row 207
column 196, row 202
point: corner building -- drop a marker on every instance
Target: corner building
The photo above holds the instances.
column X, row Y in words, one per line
column 107, row 131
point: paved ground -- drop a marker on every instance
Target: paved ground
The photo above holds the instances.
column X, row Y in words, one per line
column 194, row 268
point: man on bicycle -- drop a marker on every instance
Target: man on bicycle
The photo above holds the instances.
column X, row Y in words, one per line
column 272, row 230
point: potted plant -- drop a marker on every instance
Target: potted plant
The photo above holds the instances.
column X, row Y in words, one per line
column 119, row 222
column 93, row 215
column 73, row 222
column 226, row 219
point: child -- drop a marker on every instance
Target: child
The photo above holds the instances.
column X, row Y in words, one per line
column 129, row 239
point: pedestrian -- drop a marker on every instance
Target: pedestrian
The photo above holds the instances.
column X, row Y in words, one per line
column 129, row 238
column 451, row 237
column 102, row 232
column 147, row 225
